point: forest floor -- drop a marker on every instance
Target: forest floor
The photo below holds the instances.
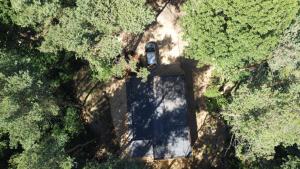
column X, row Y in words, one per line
column 105, row 104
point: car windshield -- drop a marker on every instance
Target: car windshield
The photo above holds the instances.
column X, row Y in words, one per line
column 150, row 49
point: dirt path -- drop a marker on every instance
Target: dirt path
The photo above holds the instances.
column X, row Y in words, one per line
column 166, row 32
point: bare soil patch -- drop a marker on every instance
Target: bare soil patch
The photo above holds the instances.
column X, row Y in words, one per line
column 165, row 31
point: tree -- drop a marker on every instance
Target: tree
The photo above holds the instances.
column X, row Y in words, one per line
column 26, row 106
column 232, row 35
column 91, row 31
column 291, row 163
column 88, row 29
column 285, row 58
column 30, row 115
column 267, row 115
column 262, row 119
column 5, row 11
column 49, row 154
column 34, row 13
column 38, row 39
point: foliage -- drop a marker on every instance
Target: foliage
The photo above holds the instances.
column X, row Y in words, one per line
column 113, row 16
column 274, row 116
column 285, row 58
column 233, row 35
column 48, row 154
column 115, row 163
column 91, row 31
column 265, row 116
column 5, row 11
column 28, row 110
column 3, row 144
column 72, row 123
column 40, row 40
column 214, row 99
column 291, row 163
column 123, row 67
column 143, row 73
column 212, row 91
column 25, row 107
column 32, row 13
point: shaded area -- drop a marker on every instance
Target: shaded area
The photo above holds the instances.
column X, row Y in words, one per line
column 211, row 146
column 141, row 148
column 158, row 113
column 141, row 102
column 211, row 142
column 171, row 131
column 99, row 140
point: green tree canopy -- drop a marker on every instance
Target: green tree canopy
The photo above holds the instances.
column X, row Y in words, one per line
column 231, row 34
column 30, row 115
column 48, row 154
column 26, row 107
column 34, row 13
column 262, row 119
column 38, row 39
column 291, row 163
column 91, row 31
column 267, row 115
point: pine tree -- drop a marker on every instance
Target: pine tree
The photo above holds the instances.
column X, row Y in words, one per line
column 232, row 35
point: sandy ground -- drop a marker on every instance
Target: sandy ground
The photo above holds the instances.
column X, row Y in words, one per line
column 166, row 32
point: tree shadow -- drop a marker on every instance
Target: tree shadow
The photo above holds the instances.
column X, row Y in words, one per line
column 16, row 37
column 283, row 151
column 190, row 67
column 280, row 157
column 166, row 43
column 95, row 108
column 152, row 123
column 132, row 41
column 212, row 143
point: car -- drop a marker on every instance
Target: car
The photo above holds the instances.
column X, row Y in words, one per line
column 151, row 53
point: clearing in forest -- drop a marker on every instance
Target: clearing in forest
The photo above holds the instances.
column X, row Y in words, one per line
column 208, row 142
